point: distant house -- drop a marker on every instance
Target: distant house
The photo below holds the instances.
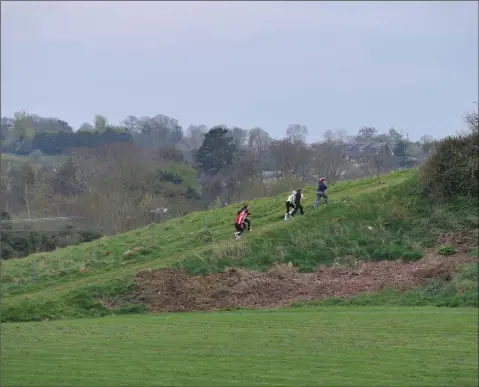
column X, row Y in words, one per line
column 372, row 149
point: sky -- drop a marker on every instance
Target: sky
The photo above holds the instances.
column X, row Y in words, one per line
column 327, row 65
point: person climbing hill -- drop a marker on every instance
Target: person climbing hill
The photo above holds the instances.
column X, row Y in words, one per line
column 239, row 224
column 289, row 204
column 321, row 192
column 294, row 202
column 297, row 203
column 246, row 212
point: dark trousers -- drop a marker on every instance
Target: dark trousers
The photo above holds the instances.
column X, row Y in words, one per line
column 297, row 207
column 289, row 205
column 239, row 227
column 248, row 223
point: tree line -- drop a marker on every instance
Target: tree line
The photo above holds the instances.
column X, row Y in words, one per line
column 113, row 176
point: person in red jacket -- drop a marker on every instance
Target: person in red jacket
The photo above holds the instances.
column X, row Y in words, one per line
column 246, row 221
column 239, row 224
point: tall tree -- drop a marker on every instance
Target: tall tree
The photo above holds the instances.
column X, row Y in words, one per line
column 65, row 181
column 366, row 133
column 101, row 123
column 23, row 126
column 218, row 151
column 259, row 142
column 195, row 136
column 297, row 133
column 472, row 121
column 131, row 124
column 394, row 136
column 240, row 136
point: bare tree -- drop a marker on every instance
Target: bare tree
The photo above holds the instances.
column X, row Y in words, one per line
column 283, row 154
column 297, row 133
column 240, row 175
column 328, row 160
column 472, row 121
column 131, row 124
column 366, row 133
column 240, row 136
column 195, row 136
column 337, row 136
column 259, row 142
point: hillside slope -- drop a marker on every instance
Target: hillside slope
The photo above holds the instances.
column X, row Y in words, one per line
column 367, row 219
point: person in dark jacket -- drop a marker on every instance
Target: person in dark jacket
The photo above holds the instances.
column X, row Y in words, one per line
column 321, row 192
column 297, row 203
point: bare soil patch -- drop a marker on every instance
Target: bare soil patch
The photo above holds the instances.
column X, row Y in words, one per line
column 461, row 241
column 169, row 290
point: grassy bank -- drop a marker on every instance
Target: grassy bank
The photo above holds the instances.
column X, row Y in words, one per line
column 365, row 220
column 394, row 223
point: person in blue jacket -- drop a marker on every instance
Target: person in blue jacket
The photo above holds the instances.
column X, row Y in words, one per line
column 321, row 192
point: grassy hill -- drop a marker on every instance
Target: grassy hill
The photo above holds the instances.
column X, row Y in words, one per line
column 373, row 233
column 370, row 220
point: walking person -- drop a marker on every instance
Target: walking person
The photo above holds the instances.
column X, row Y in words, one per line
column 297, row 203
column 321, row 193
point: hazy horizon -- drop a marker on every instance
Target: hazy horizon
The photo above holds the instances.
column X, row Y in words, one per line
column 327, row 65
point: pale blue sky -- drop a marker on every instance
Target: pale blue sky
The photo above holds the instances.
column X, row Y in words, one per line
column 328, row 65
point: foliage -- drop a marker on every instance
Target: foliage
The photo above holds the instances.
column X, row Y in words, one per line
column 217, row 151
column 59, row 142
column 446, row 250
column 453, row 170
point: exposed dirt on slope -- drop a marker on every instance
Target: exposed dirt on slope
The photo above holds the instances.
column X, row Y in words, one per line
column 461, row 241
column 173, row 291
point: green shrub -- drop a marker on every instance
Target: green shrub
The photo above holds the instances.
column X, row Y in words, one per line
column 453, row 170
column 446, row 250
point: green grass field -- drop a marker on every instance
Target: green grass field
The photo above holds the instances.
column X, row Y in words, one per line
column 290, row 347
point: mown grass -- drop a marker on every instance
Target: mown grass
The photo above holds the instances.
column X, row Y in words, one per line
column 289, row 347
column 76, row 281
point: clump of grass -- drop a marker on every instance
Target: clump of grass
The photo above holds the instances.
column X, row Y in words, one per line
column 446, row 250
column 205, row 236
